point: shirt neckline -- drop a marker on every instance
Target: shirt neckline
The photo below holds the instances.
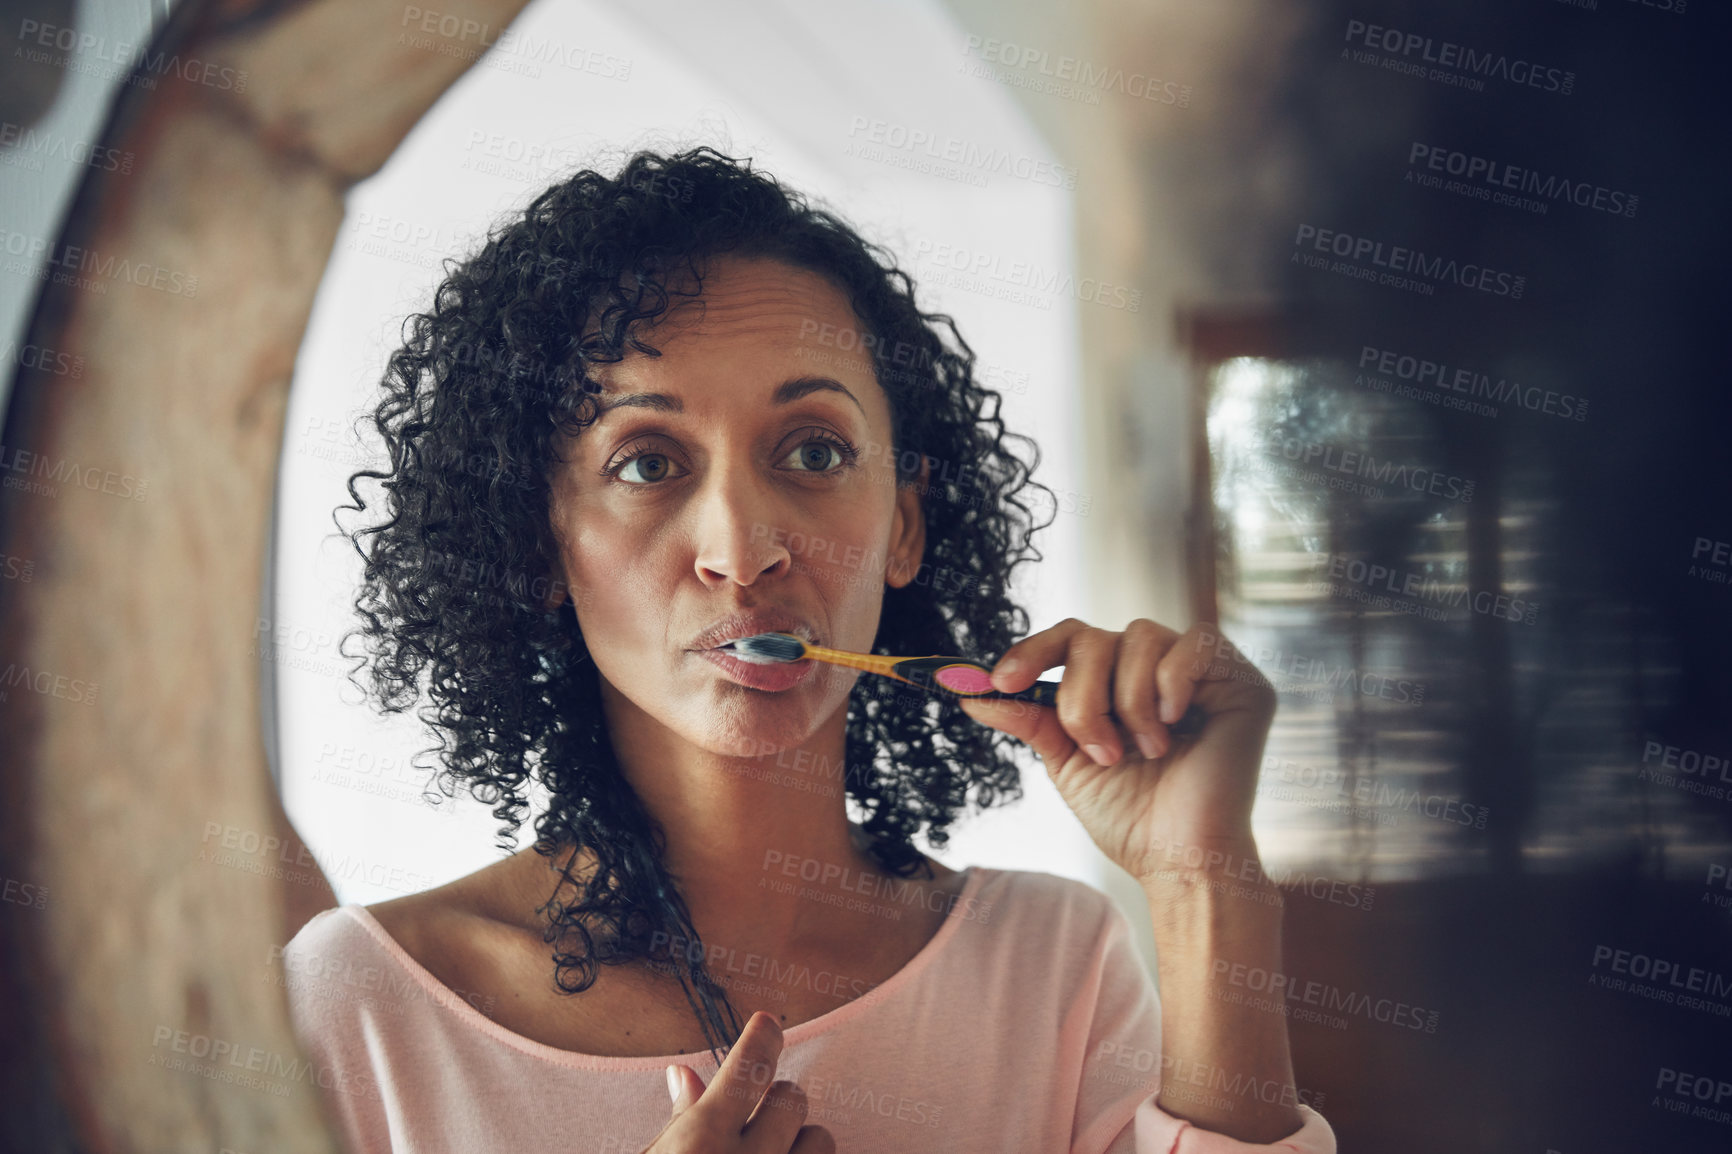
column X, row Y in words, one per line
column 447, row 1000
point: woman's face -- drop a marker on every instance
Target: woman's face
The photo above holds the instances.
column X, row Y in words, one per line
column 745, row 471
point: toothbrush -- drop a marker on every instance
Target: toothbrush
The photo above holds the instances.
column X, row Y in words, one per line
column 940, row 676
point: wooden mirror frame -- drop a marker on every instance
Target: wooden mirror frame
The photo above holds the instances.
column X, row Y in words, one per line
column 130, row 718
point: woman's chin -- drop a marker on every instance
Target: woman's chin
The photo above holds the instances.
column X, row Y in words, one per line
column 766, row 740
column 765, row 726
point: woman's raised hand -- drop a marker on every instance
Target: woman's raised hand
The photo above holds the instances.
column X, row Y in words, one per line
column 743, row 1110
column 1139, row 791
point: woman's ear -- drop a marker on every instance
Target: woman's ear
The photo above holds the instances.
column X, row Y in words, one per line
column 908, row 530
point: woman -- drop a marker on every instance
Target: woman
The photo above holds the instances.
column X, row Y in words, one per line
column 676, row 407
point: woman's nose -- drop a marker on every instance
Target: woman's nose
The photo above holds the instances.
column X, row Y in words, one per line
column 736, row 528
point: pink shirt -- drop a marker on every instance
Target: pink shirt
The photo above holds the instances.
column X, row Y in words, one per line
column 1027, row 1023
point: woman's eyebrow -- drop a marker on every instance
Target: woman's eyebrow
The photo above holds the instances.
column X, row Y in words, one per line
column 660, row 401
column 790, row 391
column 786, row 393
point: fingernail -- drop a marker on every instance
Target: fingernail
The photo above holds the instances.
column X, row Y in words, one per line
column 1098, row 754
column 1150, row 747
column 1169, row 711
column 673, row 1083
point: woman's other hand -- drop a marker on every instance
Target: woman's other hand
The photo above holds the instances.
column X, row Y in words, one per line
column 1141, row 793
column 743, row 1110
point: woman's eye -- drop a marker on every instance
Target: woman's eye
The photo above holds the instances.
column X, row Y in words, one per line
column 818, row 456
column 650, row 467
column 642, row 467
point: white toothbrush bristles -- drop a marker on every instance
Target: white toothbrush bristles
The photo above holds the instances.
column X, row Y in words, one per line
column 766, row 648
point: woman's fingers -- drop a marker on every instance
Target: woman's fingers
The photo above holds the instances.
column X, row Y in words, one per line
column 1084, row 710
column 1139, row 698
column 745, row 1074
column 777, row 1120
column 813, row 1140
column 1110, row 679
column 1203, row 655
column 1021, row 665
column 683, row 1088
column 1035, row 725
column 1085, row 705
column 742, row 1110
column 1176, row 679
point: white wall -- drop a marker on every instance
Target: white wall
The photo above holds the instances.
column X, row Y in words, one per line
column 38, row 178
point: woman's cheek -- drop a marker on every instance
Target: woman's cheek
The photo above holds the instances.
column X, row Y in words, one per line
column 849, row 564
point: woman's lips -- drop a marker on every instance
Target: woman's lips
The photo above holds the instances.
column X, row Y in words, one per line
column 785, row 675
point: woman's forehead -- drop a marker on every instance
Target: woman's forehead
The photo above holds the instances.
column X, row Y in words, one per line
column 757, row 297
column 750, row 312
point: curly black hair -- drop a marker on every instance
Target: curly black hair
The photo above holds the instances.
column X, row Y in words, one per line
column 456, row 581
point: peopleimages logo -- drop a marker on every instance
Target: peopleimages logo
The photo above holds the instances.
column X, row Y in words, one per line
column 1661, row 980
column 970, row 156
column 23, row 139
column 1685, row 769
column 84, row 263
column 1072, row 75
column 529, row 51
column 1296, row 673
column 1439, row 376
column 1485, row 179
column 1713, row 569
column 34, row 38
column 1332, row 1002
column 1375, row 799
column 42, row 474
column 1681, row 1086
column 251, row 1066
column 1410, row 53
column 1021, row 281
column 43, row 359
column 1422, row 270
column 1356, row 463
column 1384, row 582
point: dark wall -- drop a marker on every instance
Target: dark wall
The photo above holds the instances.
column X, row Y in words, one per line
column 1581, row 964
